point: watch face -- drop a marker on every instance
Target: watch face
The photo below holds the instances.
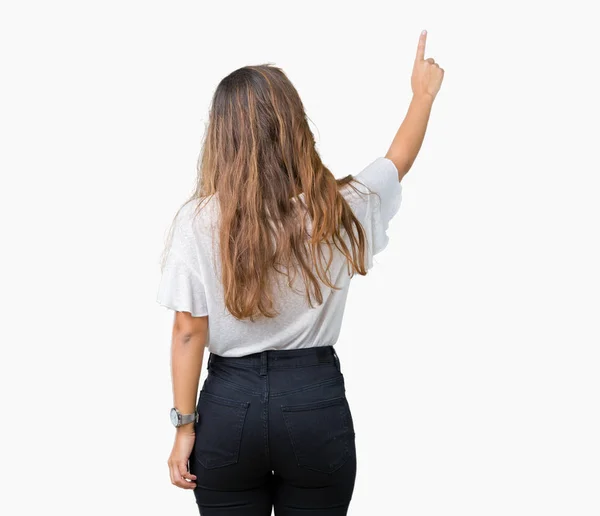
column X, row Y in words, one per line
column 174, row 416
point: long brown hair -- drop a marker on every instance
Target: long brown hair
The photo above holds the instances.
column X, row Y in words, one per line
column 259, row 157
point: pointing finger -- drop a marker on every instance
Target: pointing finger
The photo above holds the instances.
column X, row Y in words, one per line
column 421, row 46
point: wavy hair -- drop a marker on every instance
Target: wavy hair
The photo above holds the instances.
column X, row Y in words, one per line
column 279, row 205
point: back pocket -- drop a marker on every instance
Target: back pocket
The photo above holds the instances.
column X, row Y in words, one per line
column 321, row 433
column 219, row 430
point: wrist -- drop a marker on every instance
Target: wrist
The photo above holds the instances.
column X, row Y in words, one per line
column 180, row 419
column 187, row 429
column 425, row 99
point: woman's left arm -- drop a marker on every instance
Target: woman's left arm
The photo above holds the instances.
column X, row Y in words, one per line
column 187, row 353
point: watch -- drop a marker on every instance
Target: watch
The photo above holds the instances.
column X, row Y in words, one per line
column 178, row 419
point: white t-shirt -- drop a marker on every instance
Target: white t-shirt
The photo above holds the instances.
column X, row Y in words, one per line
column 190, row 280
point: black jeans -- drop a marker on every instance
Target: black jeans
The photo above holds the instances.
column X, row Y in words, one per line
column 275, row 430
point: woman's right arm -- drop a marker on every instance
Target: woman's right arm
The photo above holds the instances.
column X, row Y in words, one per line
column 426, row 80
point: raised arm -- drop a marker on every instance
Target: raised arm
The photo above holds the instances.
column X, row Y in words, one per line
column 426, row 80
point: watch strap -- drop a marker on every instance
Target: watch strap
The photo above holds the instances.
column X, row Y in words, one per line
column 184, row 419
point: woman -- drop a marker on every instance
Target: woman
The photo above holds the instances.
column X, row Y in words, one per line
column 257, row 271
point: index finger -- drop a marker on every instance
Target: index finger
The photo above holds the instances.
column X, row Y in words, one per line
column 421, row 46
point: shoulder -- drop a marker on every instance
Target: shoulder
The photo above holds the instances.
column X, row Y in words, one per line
column 380, row 174
column 195, row 215
column 379, row 177
column 376, row 189
column 191, row 225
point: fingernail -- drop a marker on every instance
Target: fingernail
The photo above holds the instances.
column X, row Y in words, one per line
column 424, row 32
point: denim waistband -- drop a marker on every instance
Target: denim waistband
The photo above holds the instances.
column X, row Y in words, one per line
column 280, row 358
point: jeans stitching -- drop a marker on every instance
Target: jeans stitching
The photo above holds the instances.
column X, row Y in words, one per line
column 332, row 467
column 236, row 385
column 301, row 407
column 220, row 400
column 288, row 425
column 243, row 411
column 273, row 367
column 337, row 379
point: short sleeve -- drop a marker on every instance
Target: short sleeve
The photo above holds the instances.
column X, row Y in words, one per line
column 181, row 287
column 378, row 209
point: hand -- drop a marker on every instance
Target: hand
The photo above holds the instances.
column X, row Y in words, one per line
column 427, row 75
column 178, row 461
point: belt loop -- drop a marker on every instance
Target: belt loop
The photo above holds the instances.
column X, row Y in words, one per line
column 336, row 359
column 263, row 363
column 323, row 354
column 209, row 361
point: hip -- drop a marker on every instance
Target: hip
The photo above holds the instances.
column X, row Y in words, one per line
column 278, row 409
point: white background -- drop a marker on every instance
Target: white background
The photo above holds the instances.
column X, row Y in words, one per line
column 471, row 350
